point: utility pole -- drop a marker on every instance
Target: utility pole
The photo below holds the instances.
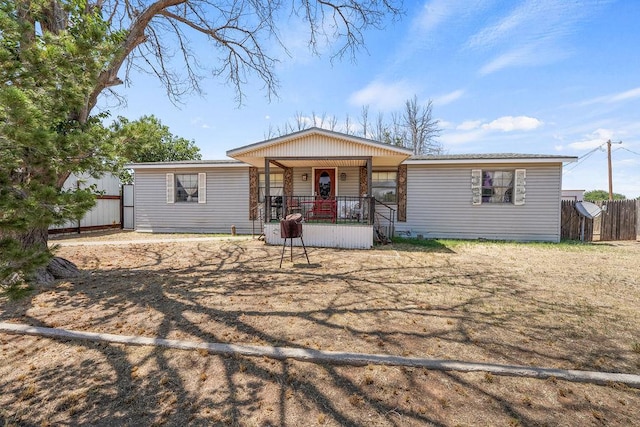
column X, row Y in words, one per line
column 609, row 164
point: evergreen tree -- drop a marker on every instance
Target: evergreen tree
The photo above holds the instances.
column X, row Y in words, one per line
column 45, row 80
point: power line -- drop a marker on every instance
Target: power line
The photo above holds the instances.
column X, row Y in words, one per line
column 626, row 149
column 584, row 157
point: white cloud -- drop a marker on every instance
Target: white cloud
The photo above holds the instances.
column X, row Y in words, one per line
column 445, row 124
column 462, row 137
column 433, row 14
column 469, row 125
column 426, row 27
column 476, row 130
column 630, row 94
column 594, row 140
column 448, row 97
column 383, row 96
column 512, row 58
column 585, row 145
column 533, row 21
column 613, row 98
column 510, row 123
column 531, row 33
column 199, row 122
column 628, row 162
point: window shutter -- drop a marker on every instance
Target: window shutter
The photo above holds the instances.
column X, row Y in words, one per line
column 202, row 187
column 171, row 194
column 476, row 186
column 519, row 187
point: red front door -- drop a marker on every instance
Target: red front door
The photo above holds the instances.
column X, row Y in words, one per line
column 325, row 183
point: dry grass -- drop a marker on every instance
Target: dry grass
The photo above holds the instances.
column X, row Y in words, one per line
column 550, row 305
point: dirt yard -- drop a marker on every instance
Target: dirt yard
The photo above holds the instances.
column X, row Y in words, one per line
column 559, row 306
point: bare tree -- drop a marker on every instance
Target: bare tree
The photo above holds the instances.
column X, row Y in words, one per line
column 271, row 132
column 413, row 128
column 398, row 134
column 332, row 123
column 364, row 120
column 380, row 130
column 347, row 124
column 422, row 129
column 301, row 121
column 316, row 120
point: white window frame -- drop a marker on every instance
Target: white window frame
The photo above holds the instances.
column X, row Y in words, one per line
column 172, row 187
column 518, row 189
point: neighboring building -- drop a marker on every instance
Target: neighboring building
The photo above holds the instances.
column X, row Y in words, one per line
column 352, row 190
column 573, row 195
column 105, row 214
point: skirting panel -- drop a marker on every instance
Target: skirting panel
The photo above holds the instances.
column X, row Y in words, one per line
column 325, row 236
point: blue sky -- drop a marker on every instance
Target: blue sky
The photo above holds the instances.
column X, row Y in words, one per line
column 539, row 77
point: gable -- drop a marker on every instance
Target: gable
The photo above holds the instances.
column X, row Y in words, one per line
column 320, row 144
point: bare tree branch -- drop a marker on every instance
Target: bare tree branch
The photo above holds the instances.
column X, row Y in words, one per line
column 421, row 127
column 243, row 32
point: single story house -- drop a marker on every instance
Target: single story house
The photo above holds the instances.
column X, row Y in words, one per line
column 351, row 191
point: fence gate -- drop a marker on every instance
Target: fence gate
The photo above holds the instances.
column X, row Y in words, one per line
column 127, row 207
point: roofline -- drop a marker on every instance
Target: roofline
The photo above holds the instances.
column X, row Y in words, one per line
column 317, row 130
column 188, row 165
column 495, row 160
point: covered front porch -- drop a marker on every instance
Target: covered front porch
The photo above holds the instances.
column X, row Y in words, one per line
column 326, row 178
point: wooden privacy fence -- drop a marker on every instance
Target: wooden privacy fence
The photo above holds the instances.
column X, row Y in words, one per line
column 571, row 223
column 619, row 221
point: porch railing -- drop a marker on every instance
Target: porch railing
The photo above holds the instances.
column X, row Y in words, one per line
column 384, row 221
column 336, row 210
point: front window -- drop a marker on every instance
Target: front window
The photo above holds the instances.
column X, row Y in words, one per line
column 187, row 187
column 497, row 186
column 383, row 186
column 276, row 185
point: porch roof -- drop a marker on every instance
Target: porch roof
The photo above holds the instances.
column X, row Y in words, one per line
column 321, row 148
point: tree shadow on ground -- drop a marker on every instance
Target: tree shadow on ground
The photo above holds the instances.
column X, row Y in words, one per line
column 405, row 244
column 235, row 293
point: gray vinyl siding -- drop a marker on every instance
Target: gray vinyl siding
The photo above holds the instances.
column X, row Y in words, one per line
column 439, row 205
column 300, row 187
column 350, row 186
column 227, row 203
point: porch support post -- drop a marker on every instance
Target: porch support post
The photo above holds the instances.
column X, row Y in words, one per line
column 288, row 190
column 254, row 184
column 372, row 203
column 402, row 193
column 369, row 171
column 267, row 186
